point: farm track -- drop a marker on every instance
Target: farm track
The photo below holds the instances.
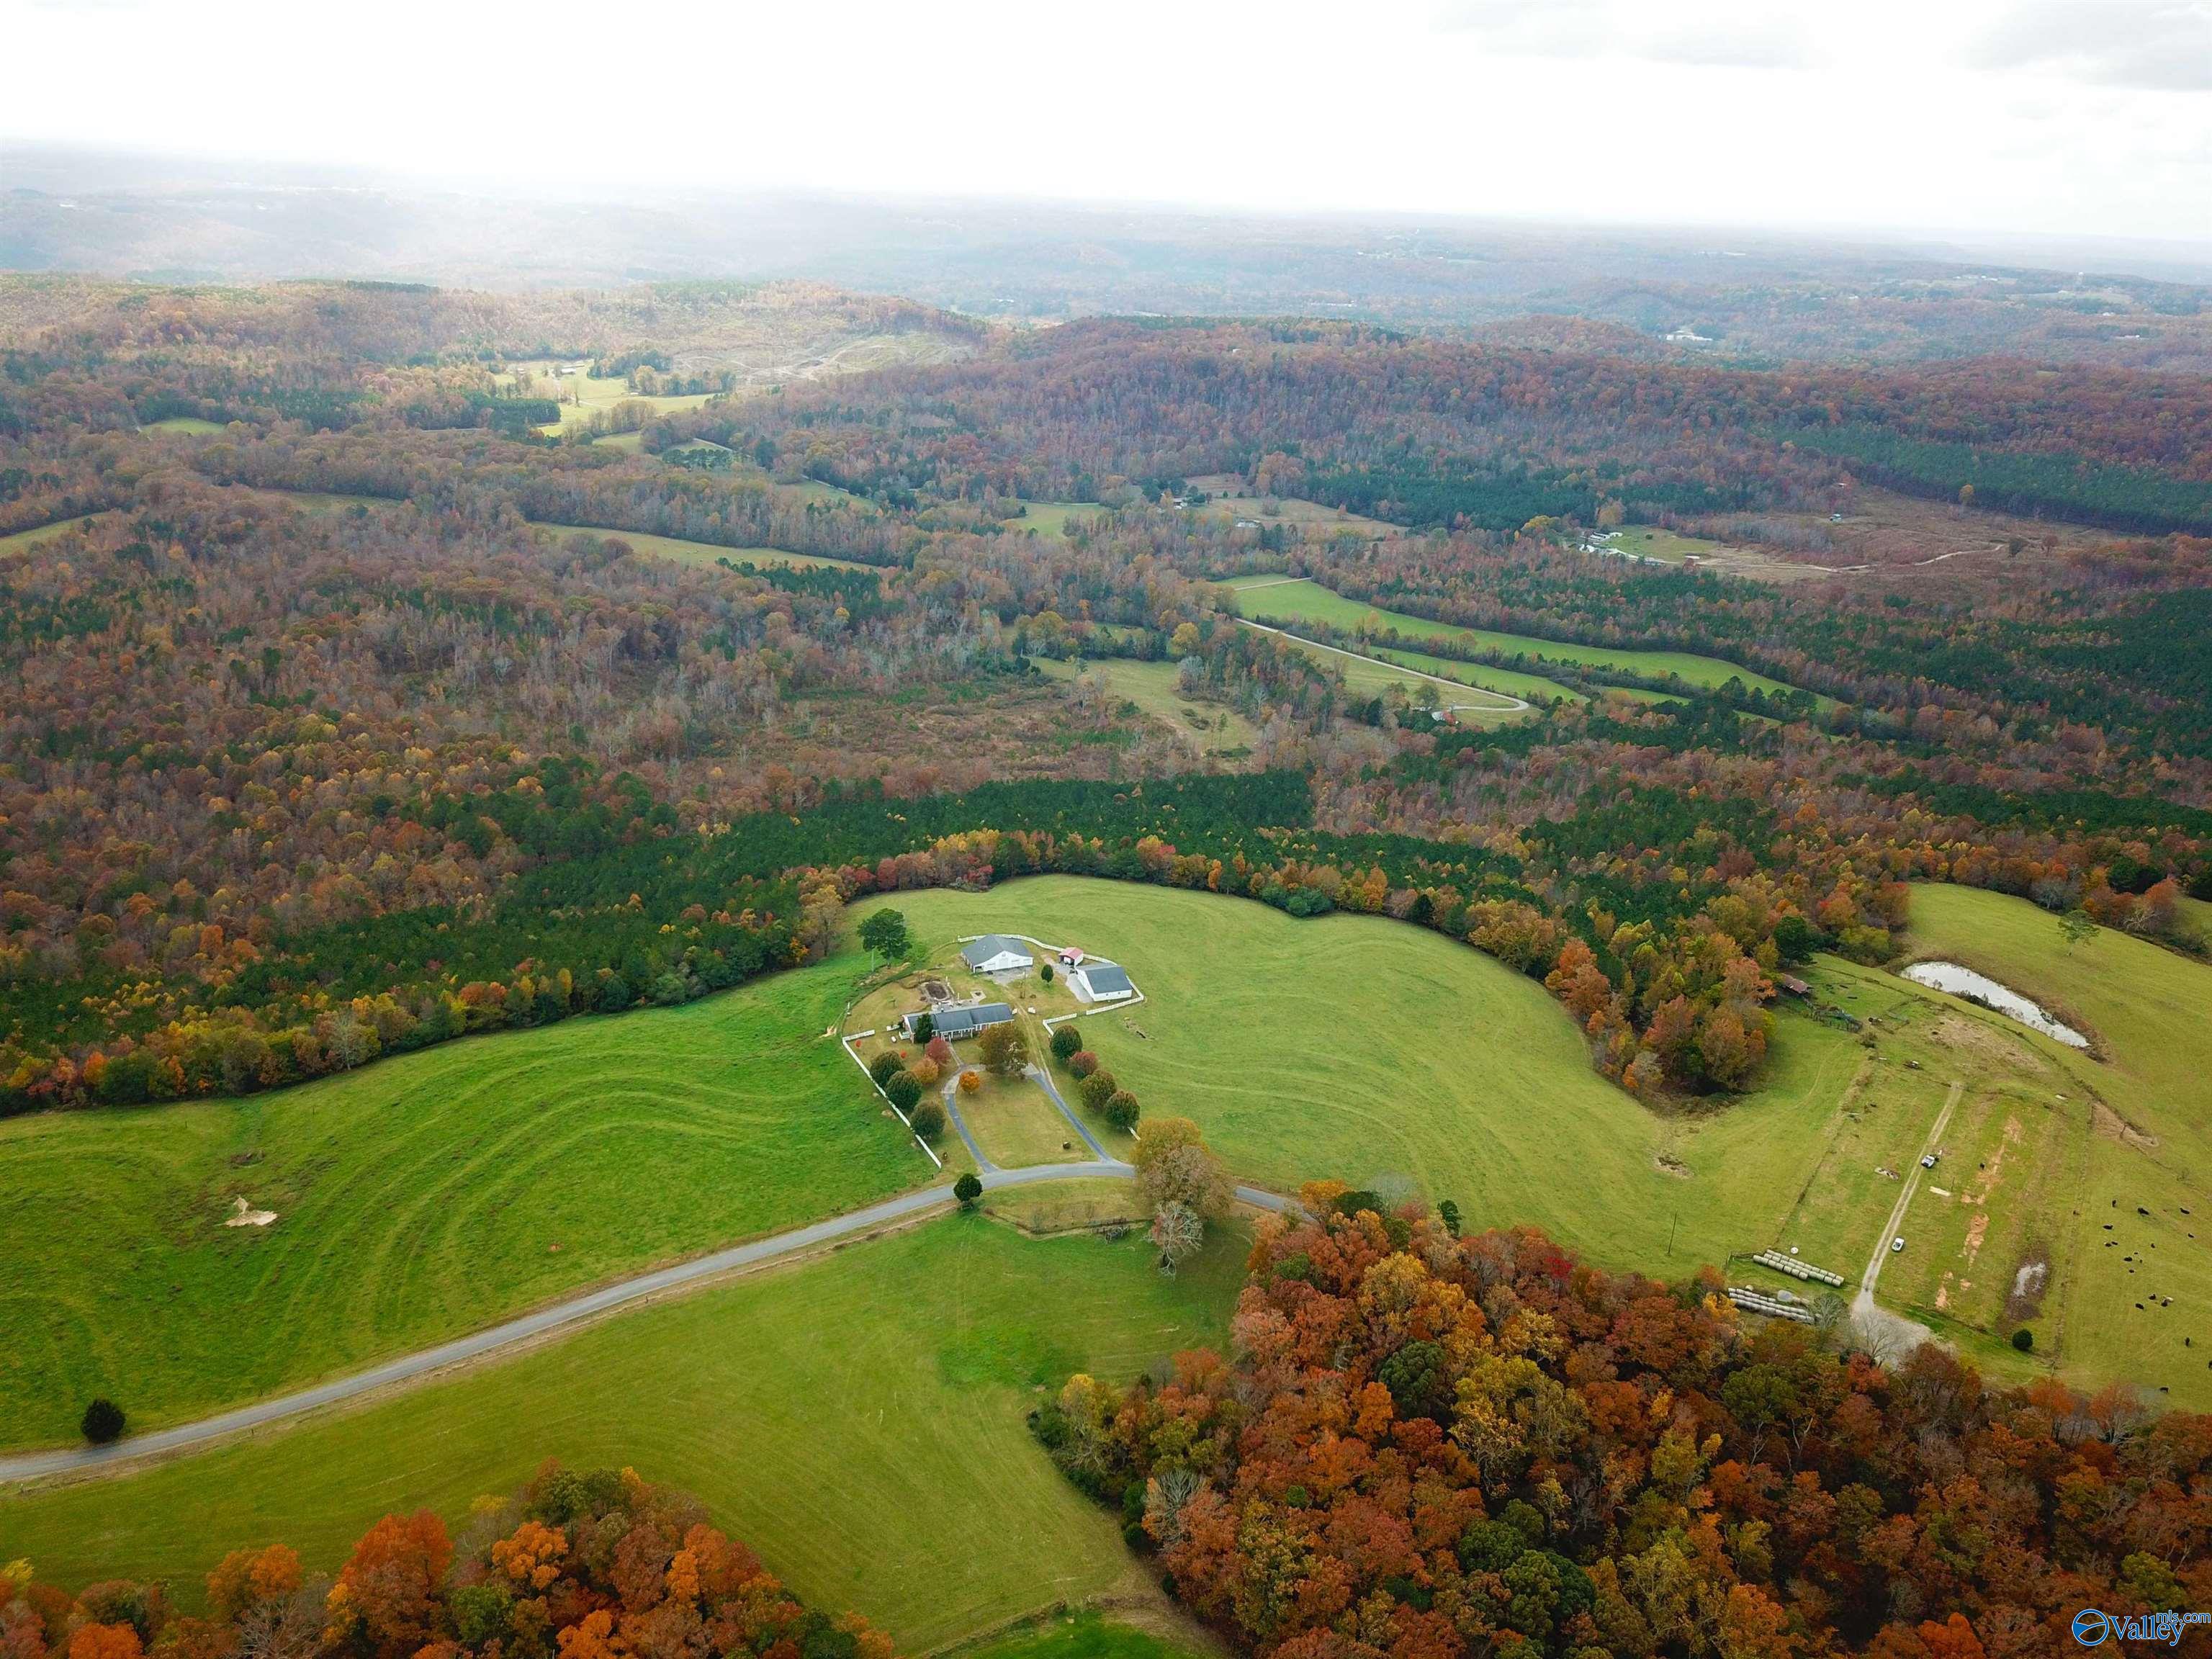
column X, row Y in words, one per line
column 1505, row 704
column 126, row 1455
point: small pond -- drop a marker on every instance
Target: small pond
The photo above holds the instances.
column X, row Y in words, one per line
column 1962, row 981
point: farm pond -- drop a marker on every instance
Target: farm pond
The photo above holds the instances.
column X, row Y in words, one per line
column 1963, row 981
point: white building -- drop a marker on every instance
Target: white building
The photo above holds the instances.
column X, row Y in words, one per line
column 1096, row 980
column 998, row 953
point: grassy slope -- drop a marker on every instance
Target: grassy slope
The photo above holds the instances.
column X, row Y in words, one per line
column 1308, row 601
column 2147, row 1008
column 858, row 1420
column 1532, row 687
column 1362, row 1047
column 418, row 1198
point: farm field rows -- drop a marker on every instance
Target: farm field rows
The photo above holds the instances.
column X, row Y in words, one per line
column 418, row 1198
column 1299, row 600
column 858, row 1420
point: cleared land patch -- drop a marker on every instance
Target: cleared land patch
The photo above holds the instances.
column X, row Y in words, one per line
column 1265, row 598
column 710, row 554
column 22, row 541
column 418, row 1198
column 1155, row 689
column 1050, row 518
column 858, row 1420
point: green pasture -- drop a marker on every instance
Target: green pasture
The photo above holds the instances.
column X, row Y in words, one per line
column 858, row 1420
column 418, row 1198
column 1272, row 599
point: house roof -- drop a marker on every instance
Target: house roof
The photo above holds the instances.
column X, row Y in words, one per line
column 1105, row 977
column 959, row 1022
column 980, row 950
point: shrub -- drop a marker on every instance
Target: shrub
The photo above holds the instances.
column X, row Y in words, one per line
column 967, row 1189
column 924, row 1071
column 883, row 1066
column 2024, row 1339
column 1120, row 1109
column 1098, row 1089
column 904, row 1090
column 970, row 1080
column 103, row 1422
column 1045, row 973
column 1066, row 1043
column 1082, row 1063
column 928, row 1120
column 940, row 1051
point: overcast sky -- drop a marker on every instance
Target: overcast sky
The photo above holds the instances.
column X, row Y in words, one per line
column 2081, row 116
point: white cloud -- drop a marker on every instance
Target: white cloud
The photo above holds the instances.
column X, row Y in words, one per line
column 2155, row 45
column 1920, row 114
column 1718, row 34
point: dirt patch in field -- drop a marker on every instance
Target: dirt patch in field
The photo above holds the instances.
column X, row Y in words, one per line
column 1987, row 1177
column 2111, row 1125
column 1672, row 1166
column 1970, row 1037
column 2029, row 1281
column 1976, row 1231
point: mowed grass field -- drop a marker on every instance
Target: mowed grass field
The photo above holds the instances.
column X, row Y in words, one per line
column 418, row 1198
column 1050, row 519
column 1388, row 671
column 859, row 1420
column 1272, row 599
column 593, row 394
column 2137, row 1222
column 1370, row 1050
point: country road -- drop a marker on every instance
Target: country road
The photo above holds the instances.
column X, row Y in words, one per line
column 1507, row 703
column 760, row 1252
column 1864, row 1308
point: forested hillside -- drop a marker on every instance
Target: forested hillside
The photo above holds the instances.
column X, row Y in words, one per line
column 349, row 720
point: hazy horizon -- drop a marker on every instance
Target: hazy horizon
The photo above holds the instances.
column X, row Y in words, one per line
column 2066, row 120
